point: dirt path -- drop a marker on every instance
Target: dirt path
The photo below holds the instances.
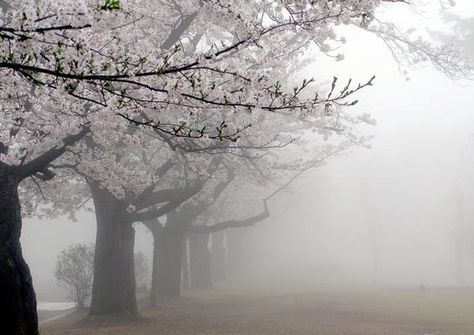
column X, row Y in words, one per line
column 308, row 311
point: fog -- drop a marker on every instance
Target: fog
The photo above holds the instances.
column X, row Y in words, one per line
column 396, row 213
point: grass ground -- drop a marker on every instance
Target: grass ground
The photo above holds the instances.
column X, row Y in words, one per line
column 238, row 308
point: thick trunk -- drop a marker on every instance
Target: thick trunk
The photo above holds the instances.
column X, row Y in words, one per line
column 167, row 263
column 235, row 251
column 218, row 256
column 113, row 289
column 200, row 261
column 154, row 270
column 185, row 284
column 17, row 296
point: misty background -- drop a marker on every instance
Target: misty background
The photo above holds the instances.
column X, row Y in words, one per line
column 398, row 213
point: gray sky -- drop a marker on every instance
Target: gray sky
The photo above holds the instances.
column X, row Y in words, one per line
column 398, row 206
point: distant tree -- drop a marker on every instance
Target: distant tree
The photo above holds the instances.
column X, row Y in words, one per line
column 74, row 271
column 141, row 270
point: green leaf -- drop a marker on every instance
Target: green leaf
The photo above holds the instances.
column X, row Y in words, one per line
column 110, row 5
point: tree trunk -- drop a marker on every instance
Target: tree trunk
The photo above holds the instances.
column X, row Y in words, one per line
column 167, row 263
column 218, row 256
column 154, row 269
column 200, row 261
column 235, row 251
column 113, row 288
column 185, row 280
column 17, row 296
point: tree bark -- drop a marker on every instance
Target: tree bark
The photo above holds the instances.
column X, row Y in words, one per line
column 185, row 280
column 218, row 256
column 17, row 296
column 235, row 251
column 154, row 271
column 200, row 261
column 167, row 262
column 113, row 288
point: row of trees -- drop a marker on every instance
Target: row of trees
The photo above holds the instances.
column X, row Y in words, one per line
column 137, row 115
column 201, row 267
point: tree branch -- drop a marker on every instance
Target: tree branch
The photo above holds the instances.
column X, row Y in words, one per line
column 168, row 195
column 40, row 163
column 231, row 223
column 176, row 34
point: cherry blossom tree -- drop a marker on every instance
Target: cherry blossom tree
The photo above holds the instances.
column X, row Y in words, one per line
column 141, row 271
column 192, row 216
column 76, row 73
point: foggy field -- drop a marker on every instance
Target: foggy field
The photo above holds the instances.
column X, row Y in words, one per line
column 238, row 308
